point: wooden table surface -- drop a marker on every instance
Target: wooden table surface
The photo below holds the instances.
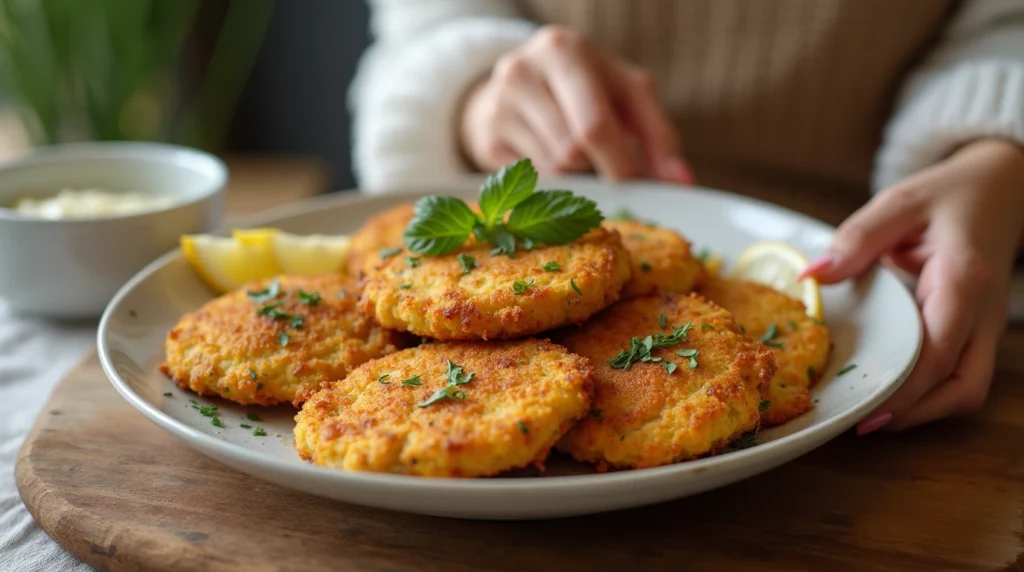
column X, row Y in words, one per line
column 124, row 495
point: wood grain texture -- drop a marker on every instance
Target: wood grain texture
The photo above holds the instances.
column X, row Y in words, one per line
column 121, row 494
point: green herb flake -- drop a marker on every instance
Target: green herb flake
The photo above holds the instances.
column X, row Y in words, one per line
column 216, row 422
column 746, row 441
column 743, row 328
column 383, row 379
column 846, row 370
column 298, row 322
column 623, row 214
column 468, row 262
column 227, row 390
column 386, row 252
column 661, row 321
column 523, row 428
column 793, row 325
column 168, row 394
column 645, row 266
column 259, row 385
column 412, row 261
column 572, row 282
column 520, row 287
column 405, row 286
column 309, row 298
column 640, row 348
column 703, row 254
column 252, row 416
column 259, row 432
column 273, row 290
column 669, row 366
column 283, row 338
column 413, row 380
column 690, row 353
column 765, row 404
column 205, row 410
column 768, row 338
column 706, row 327
column 252, row 374
column 552, row 266
column 456, row 377
column 273, row 311
column 245, row 426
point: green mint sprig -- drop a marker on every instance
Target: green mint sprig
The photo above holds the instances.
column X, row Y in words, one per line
column 441, row 223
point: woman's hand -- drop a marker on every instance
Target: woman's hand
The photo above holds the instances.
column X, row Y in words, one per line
column 956, row 226
column 570, row 107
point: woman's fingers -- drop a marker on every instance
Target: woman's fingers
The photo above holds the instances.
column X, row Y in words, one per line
column 874, row 229
column 570, row 68
column 539, row 111
column 637, row 94
column 525, row 142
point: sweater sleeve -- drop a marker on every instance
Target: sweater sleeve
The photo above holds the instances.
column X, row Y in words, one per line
column 971, row 85
column 411, row 81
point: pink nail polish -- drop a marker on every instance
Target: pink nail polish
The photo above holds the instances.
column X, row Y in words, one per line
column 873, row 423
column 817, row 265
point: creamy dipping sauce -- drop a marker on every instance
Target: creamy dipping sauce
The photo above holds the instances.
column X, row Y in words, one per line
column 92, row 203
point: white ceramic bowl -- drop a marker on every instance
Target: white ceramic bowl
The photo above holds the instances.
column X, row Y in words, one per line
column 71, row 268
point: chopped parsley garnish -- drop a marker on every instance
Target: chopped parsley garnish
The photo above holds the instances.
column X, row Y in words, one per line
column 259, row 432
column 245, row 426
column 405, row 286
column 412, row 261
column 793, row 325
column 623, row 214
column 273, row 290
column 690, row 353
column 847, row 369
column 456, row 377
column 765, row 404
column 661, row 321
column 552, row 266
column 413, row 380
column 596, row 414
column 706, row 327
column 443, row 223
column 309, row 298
column 383, row 379
column 746, row 441
column 386, row 253
column 572, row 282
column 640, row 348
column 468, row 262
column 703, row 254
column 216, row 422
column 168, row 394
column 252, row 373
column 520, row 287
column 252, row 416
column 259, row 385
column 645, row 266
column 283, row 338
column 227, row 390
column 768, row 338
column 743, row 328
column 205, row 410
column 523, row 428
column 273, row 311
column 670, row 366
column 298, row 322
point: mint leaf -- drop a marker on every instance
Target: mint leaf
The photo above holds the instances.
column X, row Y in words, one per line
column 439, row 225
column 507, row 188
column 554, row 217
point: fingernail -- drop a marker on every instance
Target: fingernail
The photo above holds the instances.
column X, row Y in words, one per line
column 676, row 170
column 817, row 265
column 873, row 423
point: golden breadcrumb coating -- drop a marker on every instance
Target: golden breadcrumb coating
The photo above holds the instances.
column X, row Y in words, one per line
column 523, row 395
column 383, row 230
column 646, row 416
column 227, row 348
column 801, row 345
column 493, row 296
column 661, row 260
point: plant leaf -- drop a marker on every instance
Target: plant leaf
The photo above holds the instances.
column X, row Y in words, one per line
column 507, row 188
column 554, row 217
column 440, row 225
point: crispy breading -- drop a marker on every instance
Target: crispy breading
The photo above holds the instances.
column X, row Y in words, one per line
column 801, row 345
column 227, row 348
column 496, row 296
column 383, row 230
column 661, row 260
column 646, row 416
column 523, row 395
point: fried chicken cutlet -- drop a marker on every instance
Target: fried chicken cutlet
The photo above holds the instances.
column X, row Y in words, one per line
column 661, row 260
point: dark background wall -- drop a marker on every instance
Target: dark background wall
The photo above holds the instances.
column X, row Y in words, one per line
column 295, row 101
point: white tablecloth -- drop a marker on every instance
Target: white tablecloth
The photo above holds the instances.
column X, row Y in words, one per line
column 34, row 356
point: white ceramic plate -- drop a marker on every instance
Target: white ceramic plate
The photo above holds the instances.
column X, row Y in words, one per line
column 874, row 323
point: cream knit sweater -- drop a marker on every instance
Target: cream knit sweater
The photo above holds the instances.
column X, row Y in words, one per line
column 845, row 93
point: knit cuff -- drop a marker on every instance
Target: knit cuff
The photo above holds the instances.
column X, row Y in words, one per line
column 958, row 105
column 406, row 126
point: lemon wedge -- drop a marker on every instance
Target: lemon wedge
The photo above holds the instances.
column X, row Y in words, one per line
column 305, row 255
column 226, row 264
column 778, row 265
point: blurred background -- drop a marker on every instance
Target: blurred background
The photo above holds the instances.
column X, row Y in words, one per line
column 256, row 81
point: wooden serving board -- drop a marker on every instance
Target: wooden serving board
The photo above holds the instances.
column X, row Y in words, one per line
column 121, row 494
